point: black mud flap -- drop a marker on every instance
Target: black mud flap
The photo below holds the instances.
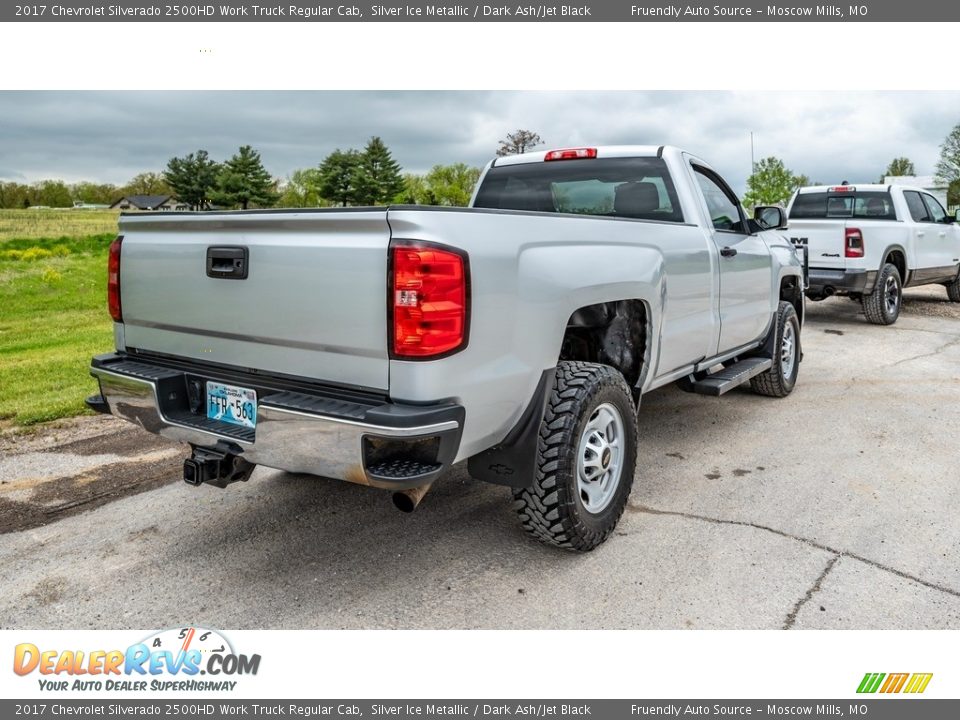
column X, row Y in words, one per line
column 769, row 347
column 513, row 462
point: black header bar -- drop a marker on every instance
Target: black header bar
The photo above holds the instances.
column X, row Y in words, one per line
column 421, row 11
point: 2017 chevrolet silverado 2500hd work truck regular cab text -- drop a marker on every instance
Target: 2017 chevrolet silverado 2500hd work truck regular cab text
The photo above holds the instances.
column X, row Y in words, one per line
column 871, row 241
column 381, row 345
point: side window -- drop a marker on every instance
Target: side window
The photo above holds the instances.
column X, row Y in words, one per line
column 937, row 213
column 722, row 204
column 918, row 211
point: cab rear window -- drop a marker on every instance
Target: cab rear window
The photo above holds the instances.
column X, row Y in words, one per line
column 827, row 205
column 639, row 188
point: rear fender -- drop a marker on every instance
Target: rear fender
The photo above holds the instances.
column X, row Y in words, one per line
column 569, row 278
column 523, row 292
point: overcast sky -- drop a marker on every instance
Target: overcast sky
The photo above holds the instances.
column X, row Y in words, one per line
column 111, row 136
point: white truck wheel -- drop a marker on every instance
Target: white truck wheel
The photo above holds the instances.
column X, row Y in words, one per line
column 882, row 306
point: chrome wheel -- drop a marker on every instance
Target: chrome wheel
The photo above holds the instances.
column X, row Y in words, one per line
column 788, row 350
column 600, row 458
column 891, row 295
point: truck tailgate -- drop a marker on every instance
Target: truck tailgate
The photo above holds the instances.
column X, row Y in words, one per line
column 312, row 304
column 824, row 240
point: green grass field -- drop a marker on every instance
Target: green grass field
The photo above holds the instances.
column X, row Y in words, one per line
column 38, row 224
column 53, row 310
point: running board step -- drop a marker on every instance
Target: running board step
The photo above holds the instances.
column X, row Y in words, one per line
column 732, row 376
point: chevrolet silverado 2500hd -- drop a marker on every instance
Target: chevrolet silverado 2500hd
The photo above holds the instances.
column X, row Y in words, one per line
column 871, row 241
column 382, row 345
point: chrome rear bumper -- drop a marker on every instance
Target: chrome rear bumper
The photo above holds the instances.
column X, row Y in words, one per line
column 385, row 445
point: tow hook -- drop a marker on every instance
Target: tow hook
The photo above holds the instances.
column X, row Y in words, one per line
column 215, row 468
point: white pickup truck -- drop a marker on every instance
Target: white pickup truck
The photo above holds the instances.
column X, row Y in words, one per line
column 382, row 345
column 871, row 241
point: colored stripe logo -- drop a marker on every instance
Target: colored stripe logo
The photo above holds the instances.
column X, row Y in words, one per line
column 894, row 682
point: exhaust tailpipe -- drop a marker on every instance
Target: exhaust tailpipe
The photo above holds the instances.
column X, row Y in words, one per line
column 408, row 500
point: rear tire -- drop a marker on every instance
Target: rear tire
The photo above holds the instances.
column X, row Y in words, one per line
column 779, row 380
column 953, row 290
column 882, row 306
column 586, row 457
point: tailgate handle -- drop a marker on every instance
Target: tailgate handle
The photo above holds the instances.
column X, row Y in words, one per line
column 229, row 263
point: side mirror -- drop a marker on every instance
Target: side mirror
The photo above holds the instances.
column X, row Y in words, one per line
column 770, row 217
column 956, row 216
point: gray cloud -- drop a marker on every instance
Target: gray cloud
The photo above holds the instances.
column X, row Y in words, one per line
column 111, row 136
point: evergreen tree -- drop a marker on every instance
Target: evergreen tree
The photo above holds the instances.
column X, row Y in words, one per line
column 244, row 181
column 192, row 178
column 378, row 178
column 337, row 181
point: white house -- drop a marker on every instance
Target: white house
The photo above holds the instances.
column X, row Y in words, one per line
column 145, row 203
column 928, row 182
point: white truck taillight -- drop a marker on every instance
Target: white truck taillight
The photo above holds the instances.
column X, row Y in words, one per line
column 853, row 243
column 113, row 280
column 428, row 300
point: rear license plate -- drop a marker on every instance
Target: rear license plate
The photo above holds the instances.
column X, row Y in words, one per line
column 235, row 405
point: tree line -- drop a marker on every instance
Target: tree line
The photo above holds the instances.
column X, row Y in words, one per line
column 350, row 177
column 369, row 176
column 58, row 194
column 372, row 176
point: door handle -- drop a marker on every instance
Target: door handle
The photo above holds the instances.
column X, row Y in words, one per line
column 943, row 233
column 728, row 252
column 920, row 233
column 227, row 263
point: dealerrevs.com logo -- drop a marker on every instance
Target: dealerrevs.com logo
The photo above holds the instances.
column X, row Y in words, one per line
column 167, row 660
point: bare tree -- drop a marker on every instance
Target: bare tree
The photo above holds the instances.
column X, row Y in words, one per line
column 518, row 142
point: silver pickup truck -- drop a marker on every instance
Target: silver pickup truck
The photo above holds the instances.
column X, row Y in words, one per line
column 382, row 345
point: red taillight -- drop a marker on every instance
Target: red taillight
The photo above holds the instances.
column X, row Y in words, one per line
column 843, row 188
column 428, row 297
column 113, row 280
column 853, row 243
column 570, row 154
